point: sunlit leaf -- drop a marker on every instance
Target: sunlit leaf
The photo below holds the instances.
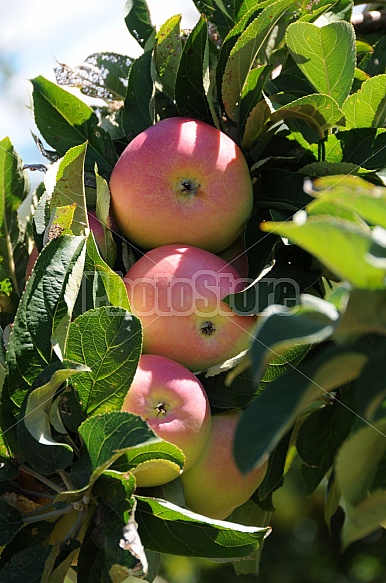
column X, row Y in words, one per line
column 108, row 340
column 166, row 528
column 326, row 55
column 367, row 107
column 244, row 52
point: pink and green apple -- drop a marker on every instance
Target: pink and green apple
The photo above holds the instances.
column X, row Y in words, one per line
column 181, row 181
column 174, row 404
column 214, row 486
column 177, row 293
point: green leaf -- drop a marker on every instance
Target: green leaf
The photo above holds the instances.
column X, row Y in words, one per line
column 42, row 307
column 65, row 121
column 355, row 195
column 281, row 329
column 275, row 410
column 252, row 90
column 27, row 565
column 39, row 401
column 117, row 531
column 10, row 522
column 166, row 528
column 326, row 56
column 365, row 313
column 243, row 54
column 167, row 52
column 101, row 286
column 216, row 11
column 256, row 124
column 105, row 435
column 358, row 460
column 14, row 186
column 138, row 108
column 364, row 518
column 371, row 387
column 137, row 19
column 190, row 94
column 321, row 112
column 108, row 341
column 375, row 63
column 319, row 438
column 101, row 75
column 364, row 147
column 109, row 248
column 367, row 107
column 342, row 246
column 64, row 184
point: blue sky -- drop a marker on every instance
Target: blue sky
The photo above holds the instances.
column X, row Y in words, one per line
column 33, row 35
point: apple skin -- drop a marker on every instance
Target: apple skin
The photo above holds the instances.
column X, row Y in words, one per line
column 214, row 486
column 181, row 181
column 174, row 404
column 177, row 293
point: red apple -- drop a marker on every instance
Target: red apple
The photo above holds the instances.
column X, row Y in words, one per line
column 181, row 181
column 214, row 486
column 174, row 404
column 177, row 293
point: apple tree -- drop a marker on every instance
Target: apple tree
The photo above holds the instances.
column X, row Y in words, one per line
column 303, row 96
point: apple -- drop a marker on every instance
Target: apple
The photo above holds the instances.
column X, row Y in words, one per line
column 174, row 404
column 177, row 291
column 181, row 181
column 214, row 486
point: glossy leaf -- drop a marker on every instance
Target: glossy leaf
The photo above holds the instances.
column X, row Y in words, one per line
column 138, row 22
column 357, row 461
column 39, row 401
column 42, row 308
column 367, row 107
column 108, row 248
column 190, row 95
column 343, row 247
column 319, row 438
column 244, row 52
column 168, row 50
column 319, row 111
column 64, row 182
column 354, row 194
column 101, row 286
column 274, row 412
column 281, row 329
column 326, row 56
column 72, row 123
column 138, row 109
column 14, row 185
column 166, row 528
column 108, row 341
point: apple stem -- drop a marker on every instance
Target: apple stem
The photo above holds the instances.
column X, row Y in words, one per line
column 42, row 479
column 31, row 517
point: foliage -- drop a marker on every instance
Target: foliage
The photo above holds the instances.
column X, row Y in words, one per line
column 292, row 85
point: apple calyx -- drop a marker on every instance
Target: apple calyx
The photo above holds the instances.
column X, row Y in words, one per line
column 161, row 408
column 188, row 187
column 208, row 328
